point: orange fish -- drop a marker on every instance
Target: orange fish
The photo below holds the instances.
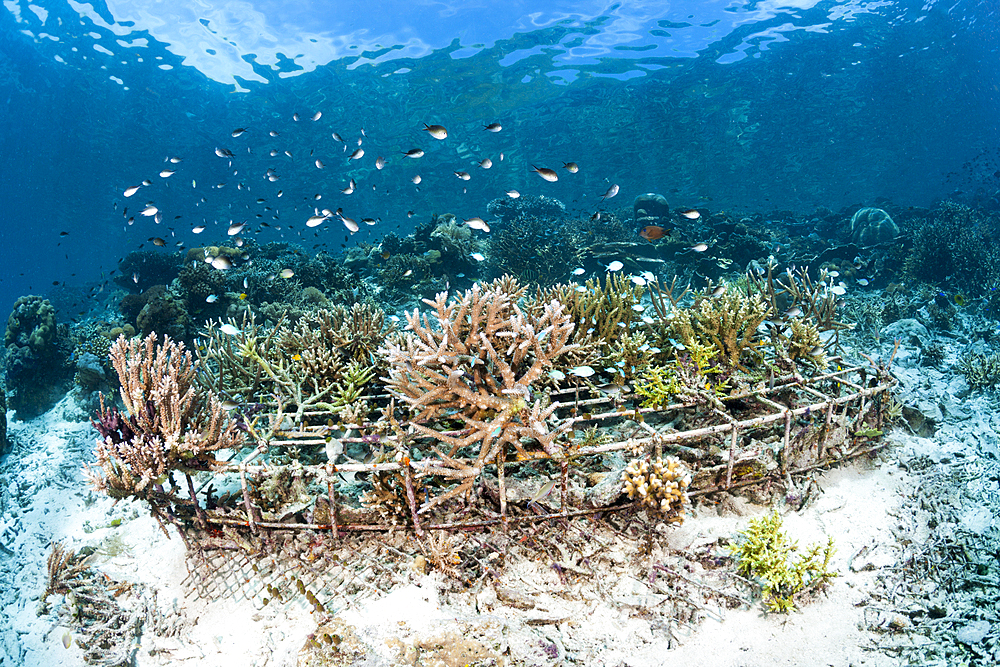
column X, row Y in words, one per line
column 652, row 232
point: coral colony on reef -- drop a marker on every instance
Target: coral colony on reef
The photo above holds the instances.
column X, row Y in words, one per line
column 497, row 406
column 303, row 416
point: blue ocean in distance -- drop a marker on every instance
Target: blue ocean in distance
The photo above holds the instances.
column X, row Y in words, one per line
column 731, row 106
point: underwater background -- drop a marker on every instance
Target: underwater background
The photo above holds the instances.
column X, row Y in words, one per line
column 775, row 108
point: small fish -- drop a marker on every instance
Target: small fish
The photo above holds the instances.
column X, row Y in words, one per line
column 67, row 640
column 486, row 163
column 229, row 405
column 229, row 329
column 863, row 282
column 409, row 272
column 637, row 307
column 147, row 182
column 641, row 282
column 416, row 179
column 794, row 311
column 839, row 290
column 319, row 164
column 513, row 194
column 286, row 273
column 543, row 490
column 719, row 290
column 477, row 223
column 464, row 175
column 548, row 174
column 358, row 154
column 238, row 131
column 557, row 375
column 317, row 116
column 221, row 263
column 223, row 152
column 149, row 211
column 414, row 153
column 296, row 357
column 174, row 160
column 167, row 173
column 579, row 271
column 131, row 191
column 653, row 232
column 198, row 229
column 235, row 228
column 436, row 131
column 348, row 222
column 615, row 266
column 478, row 256
column 699, row 247
column 582, row 371
column 135, row 278
column 612, row 191
column 691, row 214
column 316, row 220
column 493, row 127
column 351, row 186
column 380, row 163
column 211, row 298
column 571, row 167
column 157, row 241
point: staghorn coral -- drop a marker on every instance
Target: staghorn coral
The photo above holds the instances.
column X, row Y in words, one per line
column 475, row 360
column 172, row 424
column 727, row 322
column 601, row 311
column 763, row 553
column 660, row 485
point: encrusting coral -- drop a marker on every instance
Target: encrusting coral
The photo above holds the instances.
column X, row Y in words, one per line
column 475, row 360
column 172, row 423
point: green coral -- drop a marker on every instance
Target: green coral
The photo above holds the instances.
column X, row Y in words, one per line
column 687, row 374
column 764, row 554
column 727, row 322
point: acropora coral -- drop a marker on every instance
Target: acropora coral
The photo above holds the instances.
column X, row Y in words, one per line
column 763, row 553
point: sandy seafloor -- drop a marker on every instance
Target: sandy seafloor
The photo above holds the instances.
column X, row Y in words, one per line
column 881, row 513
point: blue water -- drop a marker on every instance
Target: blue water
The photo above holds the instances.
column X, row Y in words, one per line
column 730, row 106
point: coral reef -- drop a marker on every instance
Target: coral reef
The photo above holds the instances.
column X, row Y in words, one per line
column 981, row 371
column 956, row 246
column 651, row 209
column 660, row 484
column 871, row 226
column 478, row 365
column 172, row 423
column 142, row 269
column 763, row 553
column 534, row 250
column 727, row 323
column 525, row 206
column 36, row 365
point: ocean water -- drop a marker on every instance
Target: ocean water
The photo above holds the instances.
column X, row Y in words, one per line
column 728, row 106
column 328, row 142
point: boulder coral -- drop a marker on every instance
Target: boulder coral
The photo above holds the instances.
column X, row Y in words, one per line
column 871, row 226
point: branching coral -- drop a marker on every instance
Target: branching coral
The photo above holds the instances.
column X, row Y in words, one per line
column 172, row 424
column 660, row 484
column 764, row 552
column 727, row 322
column 475, row 359
column 534, row 250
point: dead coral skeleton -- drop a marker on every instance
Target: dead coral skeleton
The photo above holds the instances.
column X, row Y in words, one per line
column 474, row 360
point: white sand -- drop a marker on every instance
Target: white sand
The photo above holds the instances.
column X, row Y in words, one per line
column 46, row 499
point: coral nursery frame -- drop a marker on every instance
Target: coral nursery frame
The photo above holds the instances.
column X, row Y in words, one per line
column 819, row 421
